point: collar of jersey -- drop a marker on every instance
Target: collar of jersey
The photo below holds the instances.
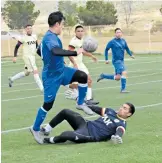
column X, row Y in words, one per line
column 120, row 117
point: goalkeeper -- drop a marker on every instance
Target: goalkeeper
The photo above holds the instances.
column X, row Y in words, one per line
column 110, row 125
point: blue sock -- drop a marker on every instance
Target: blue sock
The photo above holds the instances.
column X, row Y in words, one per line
column 82, row 88
column 107, row 76
column 123, row 83
column 39, row 119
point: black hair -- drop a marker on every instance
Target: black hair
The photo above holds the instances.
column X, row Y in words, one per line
column 55, row 17
column 78, row 26
column 28, row 25
column 117, row 29
column 131, row 108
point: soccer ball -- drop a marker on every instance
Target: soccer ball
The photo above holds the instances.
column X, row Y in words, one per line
column 90, row 44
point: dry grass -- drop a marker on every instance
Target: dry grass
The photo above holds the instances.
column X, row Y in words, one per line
column 138, row 42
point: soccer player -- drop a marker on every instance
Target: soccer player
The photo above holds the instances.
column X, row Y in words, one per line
column 110, row 125
column 118, row 46
column 29, row 43
column 77, row 62
column 55, row 73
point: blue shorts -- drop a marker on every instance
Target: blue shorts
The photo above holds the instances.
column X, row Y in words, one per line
column 53, row 82
column 119, row 67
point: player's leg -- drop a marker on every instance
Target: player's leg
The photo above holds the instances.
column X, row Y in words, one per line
column 72, row 75
column 116, row 76
column 73, row 118
column 124, row 82
column 68, row 136
column 33, row 68
column 18, row 76
column 89, row 96
column 49, row 97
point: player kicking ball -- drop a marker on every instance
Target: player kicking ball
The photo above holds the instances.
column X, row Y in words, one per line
column 110, row 125
column 118, row 46
column 29, row 43
column 55, row 73
column 77, row 62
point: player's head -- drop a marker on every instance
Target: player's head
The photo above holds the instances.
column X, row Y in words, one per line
column 56, row 22
column 79, row 31
column 28, row 29
column 126, row 110
column 118, row 33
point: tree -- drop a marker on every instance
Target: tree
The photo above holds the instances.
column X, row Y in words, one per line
column 98, row 13
column 127, row 7
column 69, row 9
column 17, row 14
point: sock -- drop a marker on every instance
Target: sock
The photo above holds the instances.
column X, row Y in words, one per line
column 48, row 128
column 18, row 76
column 89, row 93
column 38, row 82
column 82, row 88
column 39, row 119
column 123, row 83
column 51, row 140
column 107, row 76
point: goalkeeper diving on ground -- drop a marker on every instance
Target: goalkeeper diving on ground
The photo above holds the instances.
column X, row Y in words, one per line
column 111, row 125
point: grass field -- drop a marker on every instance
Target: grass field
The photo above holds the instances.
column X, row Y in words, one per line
column 143, row 138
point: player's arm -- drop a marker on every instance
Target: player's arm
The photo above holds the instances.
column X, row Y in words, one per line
column 88, row 54
column 98, row 110
column 128, row 50
column 117, row 138
column 61, row 52
column 106, row 50
column 72, row 48
column 16, row 50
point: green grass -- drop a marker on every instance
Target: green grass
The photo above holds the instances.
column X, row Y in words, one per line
column 143, row 138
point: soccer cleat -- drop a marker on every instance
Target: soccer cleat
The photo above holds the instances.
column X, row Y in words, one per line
column 85, row 108
column 91, row 102
column 36, row 135
column 100, row 78
column 48, row 140
column 10, row 82
column 44, row 132
column 124, row 91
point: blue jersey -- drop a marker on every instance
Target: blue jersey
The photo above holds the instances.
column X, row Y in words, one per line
column 118, row 47
column 53, row 65
column 104, row 127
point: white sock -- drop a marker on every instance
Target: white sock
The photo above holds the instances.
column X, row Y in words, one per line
column 89, row 93
column 38, row 82
column 48, row 128
column 52, row 140
column 18, row 76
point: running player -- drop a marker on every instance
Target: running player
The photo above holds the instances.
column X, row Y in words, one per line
column 29, row 43
column 77, row 62
column 110, row 125
column 118, row 46
column 55, row 73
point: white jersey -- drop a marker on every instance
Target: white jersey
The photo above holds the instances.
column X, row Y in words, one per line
column 29, row 44
column 77, row 43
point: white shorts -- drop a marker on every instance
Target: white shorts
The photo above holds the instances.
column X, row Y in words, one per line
column 81, row 67
column 30, row 64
